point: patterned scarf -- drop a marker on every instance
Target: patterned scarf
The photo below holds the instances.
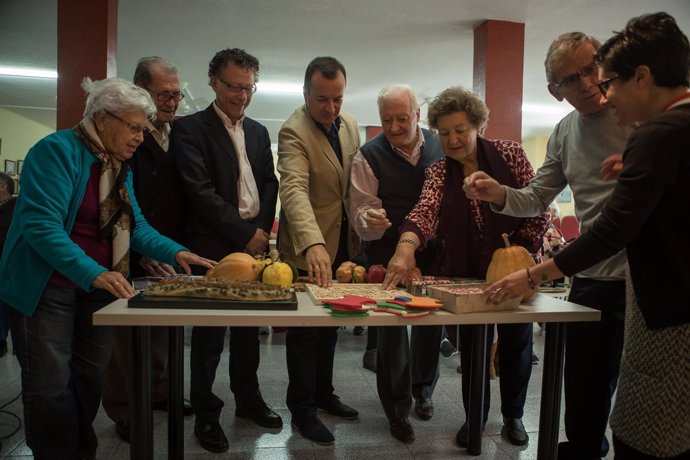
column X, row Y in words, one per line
column 116, row 218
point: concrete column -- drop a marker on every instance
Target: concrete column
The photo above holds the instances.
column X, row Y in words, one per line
column 499, row 48
column 87, row 42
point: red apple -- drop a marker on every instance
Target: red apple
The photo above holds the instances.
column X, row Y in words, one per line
column 376, row 273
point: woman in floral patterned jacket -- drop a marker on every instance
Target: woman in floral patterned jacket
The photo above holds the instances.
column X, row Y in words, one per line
column 467, row 233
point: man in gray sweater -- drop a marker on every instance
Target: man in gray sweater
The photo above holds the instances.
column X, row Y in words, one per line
column 579, row 150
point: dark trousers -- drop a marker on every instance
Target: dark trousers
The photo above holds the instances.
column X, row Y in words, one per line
column 117, row 376
column 310, row 353
column 592, row 359
column 4, row 321
column 625, row 452
column 207, row 346
column 372, row 337
column 406, row 370
column 515, row 356
column 62, row 357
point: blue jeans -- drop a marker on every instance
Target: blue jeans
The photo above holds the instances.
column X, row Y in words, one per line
column 62, row 358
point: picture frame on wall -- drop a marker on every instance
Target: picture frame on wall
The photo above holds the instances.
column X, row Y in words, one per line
column 20, row 166
column 11, row 167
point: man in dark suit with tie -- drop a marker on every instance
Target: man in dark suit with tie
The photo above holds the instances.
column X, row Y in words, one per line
column 226, row 165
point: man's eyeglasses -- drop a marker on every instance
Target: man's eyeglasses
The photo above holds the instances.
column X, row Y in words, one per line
column 571, row 80
column 165, row 97
column 235, row 88
column 604, row 84
column 133, row 127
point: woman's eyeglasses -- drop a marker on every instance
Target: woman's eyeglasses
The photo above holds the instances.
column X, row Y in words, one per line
column 133, row 127
column 604, row 84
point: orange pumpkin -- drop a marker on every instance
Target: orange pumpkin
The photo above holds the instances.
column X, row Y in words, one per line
column 237, row 266
column 508, row 260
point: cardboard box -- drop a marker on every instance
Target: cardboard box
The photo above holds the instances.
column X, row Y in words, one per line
column 468, row 303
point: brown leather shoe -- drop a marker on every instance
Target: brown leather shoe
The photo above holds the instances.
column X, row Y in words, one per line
column 402, row 430
column 424, row 407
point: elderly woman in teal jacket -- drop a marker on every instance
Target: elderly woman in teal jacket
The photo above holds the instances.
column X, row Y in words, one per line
column 67, row 255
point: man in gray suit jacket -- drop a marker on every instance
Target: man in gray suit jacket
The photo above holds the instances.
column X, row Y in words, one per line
column 226, row 165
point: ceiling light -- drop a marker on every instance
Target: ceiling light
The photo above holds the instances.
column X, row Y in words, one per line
column 278, row 87
column 546, row 109
column 27, row 72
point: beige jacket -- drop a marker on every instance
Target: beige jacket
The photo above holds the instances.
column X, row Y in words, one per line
column 313, row 185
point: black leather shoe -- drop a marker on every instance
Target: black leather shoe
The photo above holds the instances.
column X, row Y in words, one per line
column 262, row 416
column 334, row 407
column 187, row 408
column 122, row 429
column 314, row 430
column 402, row 430
column 463, row 435
column 515, row 431
column 211, row 437
column 424, row 407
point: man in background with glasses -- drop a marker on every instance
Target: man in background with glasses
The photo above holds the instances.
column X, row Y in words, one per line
column 157, row 187
column 226, row 165
column 582, row 152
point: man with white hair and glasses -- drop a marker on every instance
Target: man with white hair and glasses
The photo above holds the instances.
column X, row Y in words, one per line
column 582, row 153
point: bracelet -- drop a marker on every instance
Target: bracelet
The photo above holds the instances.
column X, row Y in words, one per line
column 407, row 241
column 530, row 280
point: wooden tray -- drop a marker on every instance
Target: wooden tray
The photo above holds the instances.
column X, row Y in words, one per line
column 196, row 303
column 338, row 291
column 469, row 303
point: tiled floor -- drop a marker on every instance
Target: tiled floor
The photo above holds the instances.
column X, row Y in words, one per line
column 365, row 438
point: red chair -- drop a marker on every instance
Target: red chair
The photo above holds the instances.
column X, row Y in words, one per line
column 570, row 228
column 274, row 228
column 556, row 222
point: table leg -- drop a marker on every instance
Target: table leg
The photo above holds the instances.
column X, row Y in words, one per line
column 551, row 387
column 175, row 393
column 475, row 411
column 141, row 423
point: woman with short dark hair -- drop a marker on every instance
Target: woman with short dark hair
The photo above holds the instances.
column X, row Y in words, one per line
column 643, row 72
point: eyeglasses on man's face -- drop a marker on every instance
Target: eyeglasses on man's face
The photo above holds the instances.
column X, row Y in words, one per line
column 572, row 80
column 133, row 127
column 604, row 84
column 166, row 96
column 236, row 88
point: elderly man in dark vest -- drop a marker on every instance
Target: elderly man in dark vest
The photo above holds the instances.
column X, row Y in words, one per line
column 385, row 183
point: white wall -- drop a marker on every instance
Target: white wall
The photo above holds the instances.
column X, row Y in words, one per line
column 18, row 135
column 535, row 147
